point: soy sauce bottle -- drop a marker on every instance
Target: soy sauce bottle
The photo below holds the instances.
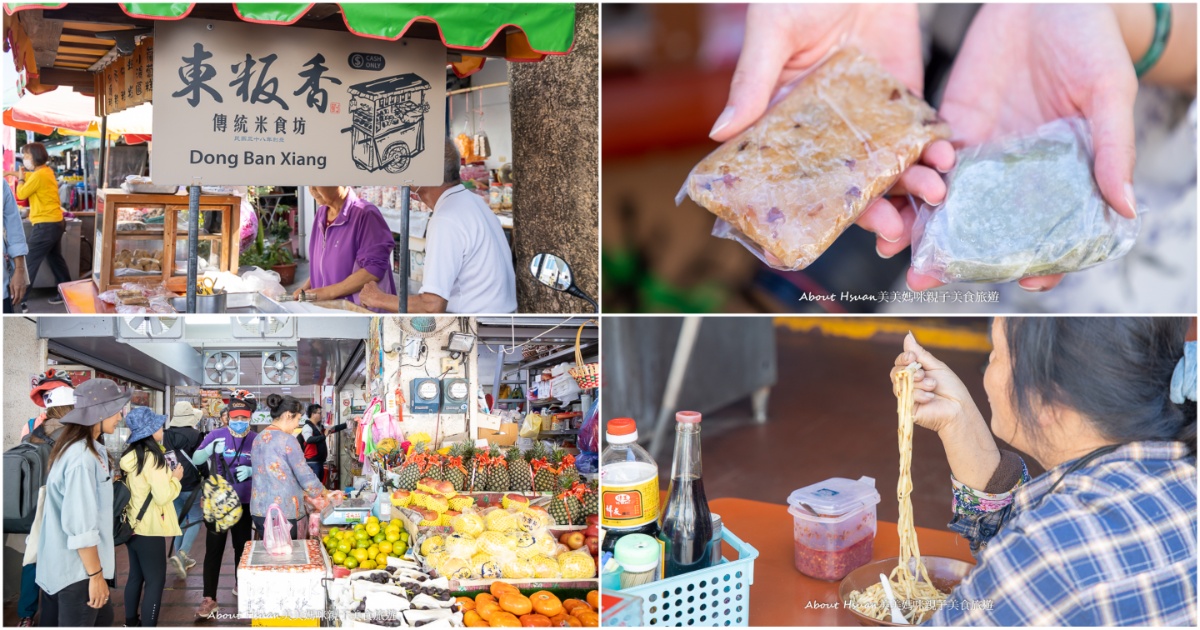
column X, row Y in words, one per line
column 686, row 530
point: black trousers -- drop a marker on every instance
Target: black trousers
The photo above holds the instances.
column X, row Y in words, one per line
column 214, row 550
column 45, row 243
column 69, row 608
column 148, row 571
column 8, row 305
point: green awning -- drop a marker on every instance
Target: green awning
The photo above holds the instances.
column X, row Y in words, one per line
column 544, row 29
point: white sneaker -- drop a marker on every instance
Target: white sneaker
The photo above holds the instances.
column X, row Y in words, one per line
column 188, row 561
column 177, row 564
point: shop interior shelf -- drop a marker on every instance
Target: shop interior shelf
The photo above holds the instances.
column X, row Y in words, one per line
column 558, row 433
column 566, row 353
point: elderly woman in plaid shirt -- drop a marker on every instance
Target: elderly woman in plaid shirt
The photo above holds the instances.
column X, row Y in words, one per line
column 1107, row 536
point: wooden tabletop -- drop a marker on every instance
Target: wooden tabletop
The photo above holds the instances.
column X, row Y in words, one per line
column 781, row 595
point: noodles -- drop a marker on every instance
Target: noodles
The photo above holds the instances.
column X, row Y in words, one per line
column 915, row 594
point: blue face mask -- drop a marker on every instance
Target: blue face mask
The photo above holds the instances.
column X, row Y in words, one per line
column 239, row 427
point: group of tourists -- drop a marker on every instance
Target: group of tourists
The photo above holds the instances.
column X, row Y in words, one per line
column 150, row 498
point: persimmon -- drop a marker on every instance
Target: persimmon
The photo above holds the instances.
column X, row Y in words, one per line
column 516, row 603
column 565, row 621
column 593, row 600
column 546, row 603
column 589, row 619
column 579, row 610
column 535, row 621
column 570, row 605
column 466, row 602
column 471, row 619
column 499, row 588
column 504, row 620
column 487, row 610
column 485, row 597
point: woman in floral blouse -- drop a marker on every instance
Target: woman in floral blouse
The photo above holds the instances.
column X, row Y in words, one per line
column 1107, row 535
column 281, row 476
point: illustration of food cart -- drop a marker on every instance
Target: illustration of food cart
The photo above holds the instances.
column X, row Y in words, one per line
column 388, row 122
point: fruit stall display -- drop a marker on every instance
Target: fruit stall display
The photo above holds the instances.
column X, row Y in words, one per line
column 515, row 537
column 366, row 545
column 536, row 471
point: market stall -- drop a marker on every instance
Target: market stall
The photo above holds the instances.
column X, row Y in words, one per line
column 354, row 46
column 443, row 488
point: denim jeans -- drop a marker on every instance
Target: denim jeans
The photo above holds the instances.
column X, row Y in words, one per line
column 195, row 515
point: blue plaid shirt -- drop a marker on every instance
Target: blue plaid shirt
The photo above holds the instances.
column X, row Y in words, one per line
column 1114, row 544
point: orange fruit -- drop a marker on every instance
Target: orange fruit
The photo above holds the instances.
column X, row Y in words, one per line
column 484, row 597
column 565, row 621
column 569, row 605
column 516, row 603
column 466, row 602
column 487, row 610
column 499, row 588
column 535, row 621
column 589, row 619
column 472, row 620
column 504, row 620
column 593, row 600
column 546, row 603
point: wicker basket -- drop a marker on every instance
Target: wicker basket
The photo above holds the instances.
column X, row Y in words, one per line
column 586, row 375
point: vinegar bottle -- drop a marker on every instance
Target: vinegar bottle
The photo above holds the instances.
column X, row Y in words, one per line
column 628, row 485
column 686, row 531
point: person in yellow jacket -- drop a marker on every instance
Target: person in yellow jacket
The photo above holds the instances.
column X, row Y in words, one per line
column 153, row 477
column 36, row 182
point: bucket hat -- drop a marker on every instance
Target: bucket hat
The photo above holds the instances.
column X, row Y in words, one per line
column 96, row 400
column 185, row 415
column 143, row 423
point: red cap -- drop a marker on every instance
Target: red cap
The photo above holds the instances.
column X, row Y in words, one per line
column 622, row 426
column 690, row 417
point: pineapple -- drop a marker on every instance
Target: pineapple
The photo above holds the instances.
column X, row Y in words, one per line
column 565, row 508
column 520, row 477
column 435, row 471
column 545, row 477
column 410, row 473
column 591, row 499
column 477, row 475
column 497, row 478
column 565, row 462
column 454, row 470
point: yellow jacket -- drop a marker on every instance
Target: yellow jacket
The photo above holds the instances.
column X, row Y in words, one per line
column 162, row 487
column 41, row 189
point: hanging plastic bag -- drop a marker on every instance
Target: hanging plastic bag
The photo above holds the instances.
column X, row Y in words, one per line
column 1024, row 206
column 836, row 139
column 589, row 432
column 531, row 427
column 277, row 536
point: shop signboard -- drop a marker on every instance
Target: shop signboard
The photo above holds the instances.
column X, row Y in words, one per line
column 240, row 103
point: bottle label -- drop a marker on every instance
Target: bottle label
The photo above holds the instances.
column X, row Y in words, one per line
column 630, row 505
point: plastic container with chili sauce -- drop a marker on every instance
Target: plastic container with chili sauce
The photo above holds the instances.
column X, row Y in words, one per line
column 834, row 526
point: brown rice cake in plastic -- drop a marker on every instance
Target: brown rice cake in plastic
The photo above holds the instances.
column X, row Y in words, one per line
column 797, row 178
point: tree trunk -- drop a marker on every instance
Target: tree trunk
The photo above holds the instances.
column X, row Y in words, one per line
column 555, row 131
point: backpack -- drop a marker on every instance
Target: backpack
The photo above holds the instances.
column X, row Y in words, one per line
column 122, row 528
column 222, row 506
column 25, row 468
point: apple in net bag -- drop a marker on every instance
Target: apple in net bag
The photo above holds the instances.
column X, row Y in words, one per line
column 789, row 185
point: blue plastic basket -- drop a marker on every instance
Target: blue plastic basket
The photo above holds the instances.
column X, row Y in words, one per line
column 716, row 596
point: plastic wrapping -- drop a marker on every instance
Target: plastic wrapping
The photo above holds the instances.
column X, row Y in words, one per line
column 838, row 139
column 277, row 534
column 1019, row 207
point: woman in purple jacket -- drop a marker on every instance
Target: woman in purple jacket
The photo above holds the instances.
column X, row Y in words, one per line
column 351, row 245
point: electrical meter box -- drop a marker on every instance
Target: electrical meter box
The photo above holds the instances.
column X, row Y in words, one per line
column 455, row 395
column 426, row 395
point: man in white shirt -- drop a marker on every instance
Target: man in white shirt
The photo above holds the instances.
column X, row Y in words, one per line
column 468, row 263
